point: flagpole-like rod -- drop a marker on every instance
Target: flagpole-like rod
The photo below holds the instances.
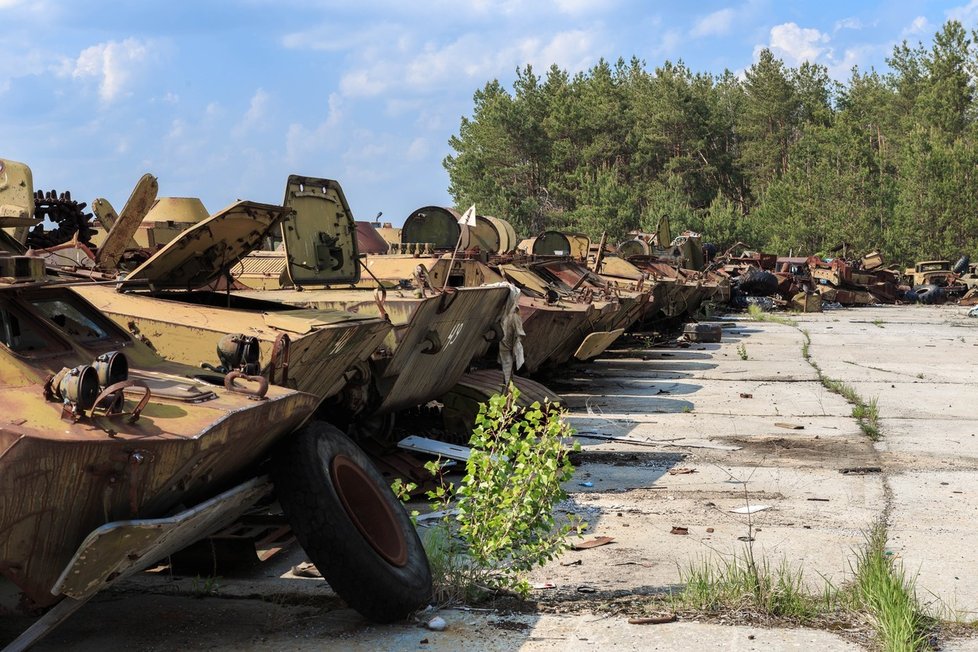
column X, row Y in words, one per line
column 467, row 219
column 452, row 263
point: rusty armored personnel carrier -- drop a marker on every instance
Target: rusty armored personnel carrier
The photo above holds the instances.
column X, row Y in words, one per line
column 165, row 297
column 436, row 332
column 112, row 458
column 560, row 322
column 678, row 269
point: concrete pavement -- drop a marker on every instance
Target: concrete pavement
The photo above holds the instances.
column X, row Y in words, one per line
column 760, row 431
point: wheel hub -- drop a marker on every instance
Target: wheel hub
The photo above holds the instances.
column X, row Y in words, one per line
column 369, row 510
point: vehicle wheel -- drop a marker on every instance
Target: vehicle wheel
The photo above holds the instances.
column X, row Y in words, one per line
column 350, row 523
column 961, row 266
column 758, row 283
column 929, row 294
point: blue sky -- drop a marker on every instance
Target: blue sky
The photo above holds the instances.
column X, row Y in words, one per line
column 223, row 99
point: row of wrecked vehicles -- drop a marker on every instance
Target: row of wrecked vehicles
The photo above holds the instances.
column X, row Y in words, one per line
column 165, row 370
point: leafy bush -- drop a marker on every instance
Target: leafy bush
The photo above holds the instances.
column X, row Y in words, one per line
column 503, row 520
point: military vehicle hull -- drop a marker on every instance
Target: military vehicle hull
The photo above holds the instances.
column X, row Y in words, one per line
column 63, row 475
column 432, row 342
column 323, row 345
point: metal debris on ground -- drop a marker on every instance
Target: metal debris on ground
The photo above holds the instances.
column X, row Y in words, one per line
column 653, row 620
column 435, row 447
column 703, row 333
column 306, row 569
column 592, row 543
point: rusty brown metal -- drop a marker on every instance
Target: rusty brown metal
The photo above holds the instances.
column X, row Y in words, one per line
column 461, row 404
column 59, row 481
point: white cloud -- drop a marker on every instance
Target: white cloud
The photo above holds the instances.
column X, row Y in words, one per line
column 255, row 115
column 967, row 14
column 796, row 44
column 669, row 42
column 417, row 150
column 471, row 57
column 917, row 26
column 717, row 23
column 331, row 37
column 579, row 7
column 301, row 141
column 364, row 83
column 849, row 23
column 113, row 63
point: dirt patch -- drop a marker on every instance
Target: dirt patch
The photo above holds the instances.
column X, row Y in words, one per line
column 804, row 451
column 629, row 458
column 510, row 625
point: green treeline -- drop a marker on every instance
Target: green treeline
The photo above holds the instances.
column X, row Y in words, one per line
column 785, row 159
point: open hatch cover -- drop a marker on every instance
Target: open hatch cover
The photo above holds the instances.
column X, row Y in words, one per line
column 199, row 255
column 321, row 235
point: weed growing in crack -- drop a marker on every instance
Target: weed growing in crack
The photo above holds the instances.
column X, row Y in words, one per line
column 884, row 591
column 743, row 583
column 742, row 351
column 866, row 413
column 759, row 315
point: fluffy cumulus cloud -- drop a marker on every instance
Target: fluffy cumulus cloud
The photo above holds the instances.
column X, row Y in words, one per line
column 113, row 64
column 255, row 115
column 715, row 24
column 301, row 141
column 796, row 44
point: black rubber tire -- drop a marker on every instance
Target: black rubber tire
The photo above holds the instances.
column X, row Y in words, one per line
column 308, row 469
column 930, row 294
column 961, row 266
column 758, row 283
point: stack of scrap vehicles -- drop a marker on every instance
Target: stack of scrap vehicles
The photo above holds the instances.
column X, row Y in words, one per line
column 805, row 284
column 167, row 371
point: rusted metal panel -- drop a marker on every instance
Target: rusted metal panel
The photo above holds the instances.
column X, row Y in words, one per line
column 437, row 226
column 369, row 240
column 596, row 343
column 116, row 550
column 324, row 344
column 321, row 235
column 119, row 236
column 209, row 248
column 61, row 479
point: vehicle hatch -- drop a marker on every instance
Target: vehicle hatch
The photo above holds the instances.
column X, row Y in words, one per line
column 321, row 235
column 206, row 250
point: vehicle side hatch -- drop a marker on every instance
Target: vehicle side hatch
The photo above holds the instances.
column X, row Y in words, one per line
column 321, row 235
column 210, row 248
